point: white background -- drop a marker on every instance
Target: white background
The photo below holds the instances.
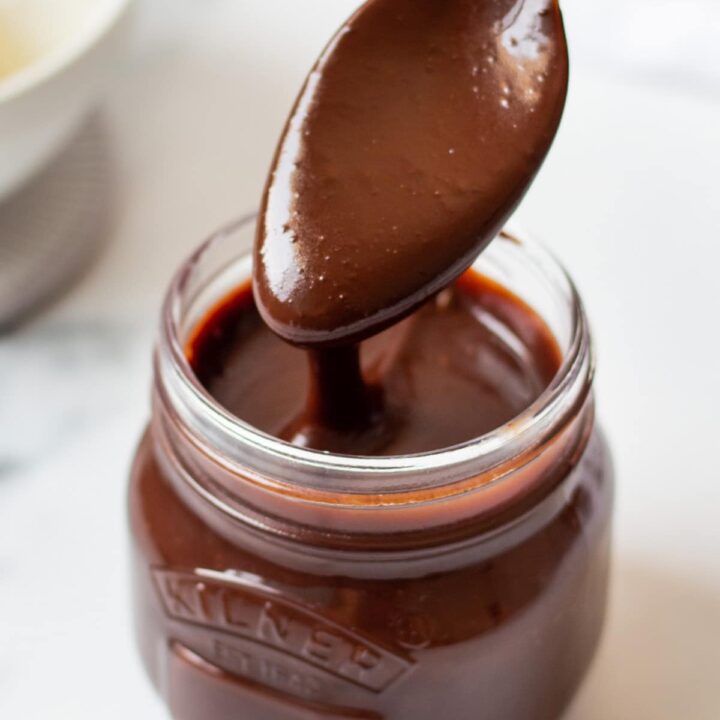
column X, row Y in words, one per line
column 628, row 200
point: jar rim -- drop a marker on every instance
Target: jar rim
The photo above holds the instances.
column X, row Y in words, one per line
column 239, row 445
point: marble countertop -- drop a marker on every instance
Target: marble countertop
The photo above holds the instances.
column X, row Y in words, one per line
column 628, row 200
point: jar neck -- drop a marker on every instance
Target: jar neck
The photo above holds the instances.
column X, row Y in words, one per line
column 246, row 484
column 488, row 514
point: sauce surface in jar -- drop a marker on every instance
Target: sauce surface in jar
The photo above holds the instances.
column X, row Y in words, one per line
column 466, row 363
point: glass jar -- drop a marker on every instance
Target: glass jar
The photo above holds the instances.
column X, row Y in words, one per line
column 273, row 582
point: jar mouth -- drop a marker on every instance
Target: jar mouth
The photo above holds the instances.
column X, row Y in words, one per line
column 249, row 452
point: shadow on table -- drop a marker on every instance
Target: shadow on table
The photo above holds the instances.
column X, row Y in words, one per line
column 660, row 657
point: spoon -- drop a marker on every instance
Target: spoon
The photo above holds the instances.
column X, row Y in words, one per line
column 415, row 137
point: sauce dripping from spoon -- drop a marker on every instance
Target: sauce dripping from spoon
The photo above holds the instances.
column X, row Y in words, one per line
column 415, row 137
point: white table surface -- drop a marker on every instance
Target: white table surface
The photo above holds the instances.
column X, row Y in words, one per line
column 629, row 201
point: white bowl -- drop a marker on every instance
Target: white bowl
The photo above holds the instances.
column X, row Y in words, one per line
column 66, row 51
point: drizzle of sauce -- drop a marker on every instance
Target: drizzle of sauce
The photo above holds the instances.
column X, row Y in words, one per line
column 415, row 136
column 462, row 365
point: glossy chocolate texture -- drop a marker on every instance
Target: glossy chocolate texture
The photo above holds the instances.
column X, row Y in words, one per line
column 414, row 138
column 416, row 135
column 467, row 362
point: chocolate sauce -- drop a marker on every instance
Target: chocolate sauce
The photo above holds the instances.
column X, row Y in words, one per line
column 416, row 135
column 464, row 364
column 265, row 585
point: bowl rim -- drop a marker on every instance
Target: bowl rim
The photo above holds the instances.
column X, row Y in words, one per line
column 51, row 64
